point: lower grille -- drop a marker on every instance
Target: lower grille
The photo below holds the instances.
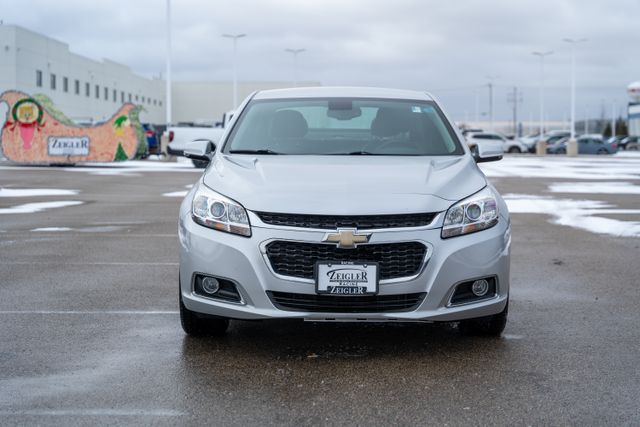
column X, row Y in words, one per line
column 341, row 304
column 298, row 259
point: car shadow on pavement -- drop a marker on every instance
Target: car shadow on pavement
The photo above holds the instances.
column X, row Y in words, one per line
column 287, row 364
column 298, row 340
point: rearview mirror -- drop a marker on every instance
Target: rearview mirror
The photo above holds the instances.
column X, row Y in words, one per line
column 200, row 149
column 488, row 152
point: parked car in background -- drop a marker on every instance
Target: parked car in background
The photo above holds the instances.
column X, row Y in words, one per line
column 623, row 144
column 508, row 146
column 530, row 140
column 587, row 144
column 467, row 131
column 180, row 136
column 153, row 138
column 550, row 138
column 632, row 143
column 616, row 139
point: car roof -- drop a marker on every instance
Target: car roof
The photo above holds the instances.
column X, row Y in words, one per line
column 342, row 92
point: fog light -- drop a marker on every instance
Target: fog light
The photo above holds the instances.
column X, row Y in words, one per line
column 480, row 287
column 211, row 285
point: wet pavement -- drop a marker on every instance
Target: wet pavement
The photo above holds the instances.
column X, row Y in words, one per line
column 90, row 332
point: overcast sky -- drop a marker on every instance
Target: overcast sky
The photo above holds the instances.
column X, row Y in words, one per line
column 447, row 47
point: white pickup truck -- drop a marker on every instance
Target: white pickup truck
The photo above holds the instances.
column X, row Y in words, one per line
column 180, row 136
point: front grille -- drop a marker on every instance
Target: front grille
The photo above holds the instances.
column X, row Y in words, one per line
column 345, row 304
column 361, row 222
column 298, row 259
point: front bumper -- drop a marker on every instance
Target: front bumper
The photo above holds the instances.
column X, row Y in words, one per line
column 242, row 261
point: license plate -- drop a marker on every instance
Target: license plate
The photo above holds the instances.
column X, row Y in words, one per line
column 347, row 278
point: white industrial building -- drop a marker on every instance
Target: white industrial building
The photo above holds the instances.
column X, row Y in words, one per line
column 84, row 89
column 88, row 91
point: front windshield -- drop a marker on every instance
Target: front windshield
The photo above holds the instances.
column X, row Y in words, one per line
column 342, row 126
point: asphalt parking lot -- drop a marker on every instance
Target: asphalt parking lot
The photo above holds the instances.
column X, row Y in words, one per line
column 91, row 335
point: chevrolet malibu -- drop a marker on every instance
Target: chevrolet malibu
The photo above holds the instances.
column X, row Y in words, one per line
column 343, row 204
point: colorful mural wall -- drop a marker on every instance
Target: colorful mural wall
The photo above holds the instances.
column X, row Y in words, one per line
column 34, row 131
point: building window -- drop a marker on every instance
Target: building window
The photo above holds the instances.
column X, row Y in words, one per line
column 87, row 89
column 122, row 97
column 129, row 97
column 65, row 84
column 106, row 93
column 115, row 95
column 77, row 87
column 160, row 103
column 53, row 81
column 38, row 78
column 97, row 92
column 136, row 98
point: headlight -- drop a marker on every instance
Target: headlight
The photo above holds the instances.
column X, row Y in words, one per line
column 475, row 213
column 216, row 211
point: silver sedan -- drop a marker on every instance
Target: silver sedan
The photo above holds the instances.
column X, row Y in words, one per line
column 343, row 204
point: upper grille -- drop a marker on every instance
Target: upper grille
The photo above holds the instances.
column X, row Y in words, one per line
column 298, row 259
column 361, row 222
column 345, row 304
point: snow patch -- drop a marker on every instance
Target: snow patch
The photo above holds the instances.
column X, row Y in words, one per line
column 33, row 192
column 178, row 193
column 37, row 207
column 175, row 194
column 584, row 168
column 595, row 187
column 52, row 229
column 576, row 213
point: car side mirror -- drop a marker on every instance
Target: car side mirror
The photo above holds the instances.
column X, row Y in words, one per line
column 488, row 152
column 200, row 149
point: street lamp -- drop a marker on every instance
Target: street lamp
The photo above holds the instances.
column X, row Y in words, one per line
column 542, row 55
column 573, row 43
column 235, row 38
column 167, row 100
column 295, row 53
column 490, row 84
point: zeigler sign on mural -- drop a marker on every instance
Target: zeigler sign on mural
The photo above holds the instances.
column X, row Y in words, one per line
column 68, row 146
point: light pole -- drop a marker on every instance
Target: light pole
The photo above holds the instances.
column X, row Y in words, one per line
column 167, row 100
column 477, row 114
column 542, row 55
column 613, row 119
column 490, row 85
column 295, row 53
column 235, row 38
column 573, row 43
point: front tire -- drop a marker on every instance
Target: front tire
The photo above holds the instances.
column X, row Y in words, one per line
column 490, row 326
column 196, row 325
column 514, row 150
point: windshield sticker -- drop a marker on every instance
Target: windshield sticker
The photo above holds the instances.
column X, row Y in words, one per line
column 416, row 109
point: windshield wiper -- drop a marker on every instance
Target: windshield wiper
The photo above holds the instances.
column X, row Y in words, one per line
column 359, row 153
column 260, row 151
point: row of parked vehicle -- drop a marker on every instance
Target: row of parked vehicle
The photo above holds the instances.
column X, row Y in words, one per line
column 556, row 142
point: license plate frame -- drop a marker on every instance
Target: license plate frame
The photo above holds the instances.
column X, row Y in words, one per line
column 351, row 283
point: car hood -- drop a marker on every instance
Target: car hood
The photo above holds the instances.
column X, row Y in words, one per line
column 344, row 185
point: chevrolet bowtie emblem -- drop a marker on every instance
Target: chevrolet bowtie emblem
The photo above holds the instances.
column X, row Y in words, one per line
column 347, row 238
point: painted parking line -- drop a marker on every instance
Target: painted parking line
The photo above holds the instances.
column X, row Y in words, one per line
column 85, row 312
column 109, row 412
column 88, row 263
